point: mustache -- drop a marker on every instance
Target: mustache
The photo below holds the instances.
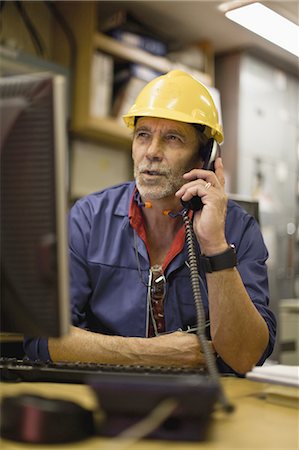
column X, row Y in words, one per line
column 163, row 170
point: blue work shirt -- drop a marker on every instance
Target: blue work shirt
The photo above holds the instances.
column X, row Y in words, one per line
column 109, row 265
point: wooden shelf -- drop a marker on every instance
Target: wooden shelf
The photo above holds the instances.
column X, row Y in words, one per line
column 105, row 129
column 115, row 48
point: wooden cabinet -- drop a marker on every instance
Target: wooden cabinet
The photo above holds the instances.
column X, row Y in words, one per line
column 82, row 18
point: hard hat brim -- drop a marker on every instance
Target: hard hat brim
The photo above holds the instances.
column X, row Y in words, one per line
column 161, row 113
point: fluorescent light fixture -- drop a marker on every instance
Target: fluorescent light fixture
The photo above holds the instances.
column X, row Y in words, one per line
column 268, row 24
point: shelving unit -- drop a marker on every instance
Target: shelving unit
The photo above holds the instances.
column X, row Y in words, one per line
column 83, row 21
column 159, row 63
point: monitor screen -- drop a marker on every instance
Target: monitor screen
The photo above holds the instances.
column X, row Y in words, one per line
column 34, row 262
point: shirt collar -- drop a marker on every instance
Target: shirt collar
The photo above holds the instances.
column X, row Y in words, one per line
column 137, row 222
column 122, row 207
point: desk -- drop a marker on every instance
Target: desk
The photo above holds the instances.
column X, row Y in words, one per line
column 256, row 423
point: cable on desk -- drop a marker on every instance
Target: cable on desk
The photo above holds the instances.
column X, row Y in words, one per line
column 142, row 428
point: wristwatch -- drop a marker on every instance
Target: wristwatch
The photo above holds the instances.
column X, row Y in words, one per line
column 221, row 261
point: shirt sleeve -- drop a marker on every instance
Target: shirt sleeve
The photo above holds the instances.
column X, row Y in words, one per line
column 79, row 242
column 36, row 349
column 243, row 231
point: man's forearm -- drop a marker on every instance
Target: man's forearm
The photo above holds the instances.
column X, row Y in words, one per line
column 175, row 349
column 239, row 333
column 85, row 346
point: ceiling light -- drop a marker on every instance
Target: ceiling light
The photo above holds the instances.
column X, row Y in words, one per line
column 268, row 24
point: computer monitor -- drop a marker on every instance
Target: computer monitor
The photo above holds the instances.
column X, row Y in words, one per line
column 34, row 262
column 251, row 205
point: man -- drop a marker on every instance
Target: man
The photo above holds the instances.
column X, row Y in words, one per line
column 131, row 295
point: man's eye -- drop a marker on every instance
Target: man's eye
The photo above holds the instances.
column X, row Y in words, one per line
column 142, row 134
column 172, row 137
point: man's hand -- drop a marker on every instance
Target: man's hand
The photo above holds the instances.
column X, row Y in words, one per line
column 209, row 223
column 176, row 349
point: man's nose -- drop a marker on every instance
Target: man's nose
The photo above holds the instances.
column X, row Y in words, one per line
column 155, row 148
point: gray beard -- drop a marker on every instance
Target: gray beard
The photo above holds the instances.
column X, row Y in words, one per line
column 167, row 186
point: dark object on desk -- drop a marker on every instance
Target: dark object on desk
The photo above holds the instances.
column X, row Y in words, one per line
column 128, row 393
column 127, row 400
column 11, row 348
column 40, row 420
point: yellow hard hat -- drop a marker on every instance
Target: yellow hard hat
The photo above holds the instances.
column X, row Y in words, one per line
column 179, row 96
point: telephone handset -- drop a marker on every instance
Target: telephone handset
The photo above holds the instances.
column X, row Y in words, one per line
column 213, row 151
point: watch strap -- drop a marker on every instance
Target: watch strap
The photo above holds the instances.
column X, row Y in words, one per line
column 221, row 261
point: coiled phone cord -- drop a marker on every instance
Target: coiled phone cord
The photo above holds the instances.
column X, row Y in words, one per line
column 210, row 358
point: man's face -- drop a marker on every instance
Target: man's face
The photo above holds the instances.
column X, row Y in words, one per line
column 163, row 150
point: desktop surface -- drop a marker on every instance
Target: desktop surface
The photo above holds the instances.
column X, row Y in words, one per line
column 255, row 423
